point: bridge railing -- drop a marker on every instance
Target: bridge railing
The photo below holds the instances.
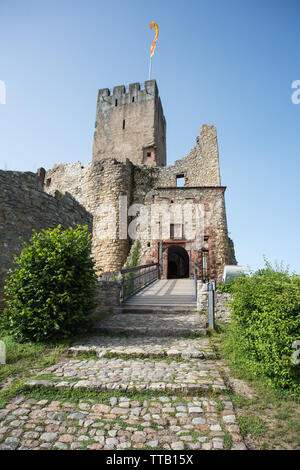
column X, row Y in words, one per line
column 196, row 280
column 135, row 279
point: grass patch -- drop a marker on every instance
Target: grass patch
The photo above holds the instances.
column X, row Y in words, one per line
column 25, row 359
column 219, row 405
column 48, row 377
column 201, row 312
column 84, row 355
column 227, row 441
column 269, row 413
column 252, row 425
column 194, row 335
column 77, row 395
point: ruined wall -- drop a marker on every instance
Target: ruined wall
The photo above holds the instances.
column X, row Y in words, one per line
column 95, row 185
column 108, row 296
column 24, row 206
column 130, row 125
column 200, row 167
column 104, row 180
column 216, row 241
column 202, row 185
column 222, row 302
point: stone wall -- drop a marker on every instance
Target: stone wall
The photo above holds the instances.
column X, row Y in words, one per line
column 216, row 241
column 24, row 206
column 200, row 167
column 104, row 181
column 97, row 186
column 108, row 296
column 130, row 125
column 222, row 309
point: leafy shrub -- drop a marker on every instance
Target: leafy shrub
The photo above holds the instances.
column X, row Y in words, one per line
column 135, row 255
column 129, row 277
column 51, row 289
column 226, row 287
column 265, row 323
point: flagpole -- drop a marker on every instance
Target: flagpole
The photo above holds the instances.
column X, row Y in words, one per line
column 150, row 68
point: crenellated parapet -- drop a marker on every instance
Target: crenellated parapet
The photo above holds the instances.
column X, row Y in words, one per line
column 134, row 94
column 130, row 123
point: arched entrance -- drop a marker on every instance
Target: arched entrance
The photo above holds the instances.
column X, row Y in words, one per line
column 178, row 262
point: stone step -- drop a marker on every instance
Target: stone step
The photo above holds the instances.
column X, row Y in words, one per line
column 148, row 308
column 132, row 375
column 164, row 300
column 152, row 324
column 146, row 346
column 141, row 331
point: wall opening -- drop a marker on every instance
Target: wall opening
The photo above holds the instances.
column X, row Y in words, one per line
column 176, row 231
column 205, row 265
column 178, row 263
column 180, row 181
column 149, row 156
column 123, row 124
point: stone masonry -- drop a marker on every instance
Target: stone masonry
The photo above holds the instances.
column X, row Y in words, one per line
column 116, row 171
column 24, row 206
column 131, row 125
column 129, row 158
column 221, row 300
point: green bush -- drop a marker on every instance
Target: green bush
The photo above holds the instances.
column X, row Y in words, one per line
column 226, row 287
column 265, row 323
column 51, row 290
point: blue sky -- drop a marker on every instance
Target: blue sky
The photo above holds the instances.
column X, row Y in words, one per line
column 227, row 63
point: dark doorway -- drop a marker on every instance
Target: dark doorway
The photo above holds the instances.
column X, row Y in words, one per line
column 178, row 263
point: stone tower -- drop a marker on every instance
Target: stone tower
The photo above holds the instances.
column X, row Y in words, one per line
column 131, row 125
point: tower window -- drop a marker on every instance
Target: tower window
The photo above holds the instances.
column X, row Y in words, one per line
column 133, row 99
column 116, row 103
column 123, row 123
column 176, row 231
column 204, row 259
column 205, row 263
column 180, row 181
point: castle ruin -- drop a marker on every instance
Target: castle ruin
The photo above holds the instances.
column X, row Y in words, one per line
column 129, row 161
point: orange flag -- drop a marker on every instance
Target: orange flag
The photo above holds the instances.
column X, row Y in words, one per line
column 154, row 25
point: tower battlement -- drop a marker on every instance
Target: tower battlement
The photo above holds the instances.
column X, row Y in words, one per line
column 135, row 93
column 131, row 124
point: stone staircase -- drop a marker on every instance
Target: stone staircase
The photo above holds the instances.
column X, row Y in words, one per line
column 158, row 370
column 165, row 308
column 160, row 321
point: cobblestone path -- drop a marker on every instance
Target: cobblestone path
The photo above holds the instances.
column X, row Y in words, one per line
column 127, row 392
column 152, row 346
column 153, row 324
column 133, row 374
column 162, row 422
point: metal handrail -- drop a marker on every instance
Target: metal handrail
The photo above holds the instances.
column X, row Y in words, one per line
column 196, row 279
column 132, row 283
column 142, row 266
